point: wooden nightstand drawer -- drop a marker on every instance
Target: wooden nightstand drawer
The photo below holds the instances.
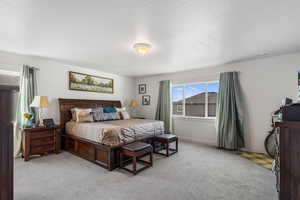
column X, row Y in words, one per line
column 42, row 149
column 43, row 134
column 40, row 140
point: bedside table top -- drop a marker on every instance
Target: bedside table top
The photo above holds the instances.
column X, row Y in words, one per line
column 42, row 128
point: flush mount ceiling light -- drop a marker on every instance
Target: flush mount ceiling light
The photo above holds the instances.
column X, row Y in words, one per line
column 142, row 48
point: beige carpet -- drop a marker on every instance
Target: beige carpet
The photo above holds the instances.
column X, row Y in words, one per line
column 195, row 173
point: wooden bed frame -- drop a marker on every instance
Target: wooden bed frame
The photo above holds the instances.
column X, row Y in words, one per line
column 103, row 155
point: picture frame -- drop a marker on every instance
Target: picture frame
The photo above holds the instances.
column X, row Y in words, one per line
column 90, row 83
column 48, row 123
column 146, row 100
column 142, row 88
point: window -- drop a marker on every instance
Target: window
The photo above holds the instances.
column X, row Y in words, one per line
column 177, row 98
column 212, row 95
column 195, row 100
column 179, row 108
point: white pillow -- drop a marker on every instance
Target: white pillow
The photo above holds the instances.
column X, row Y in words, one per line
column 83, row 115
column 123, row 113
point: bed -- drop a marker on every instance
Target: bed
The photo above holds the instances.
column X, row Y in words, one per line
column 100, row 142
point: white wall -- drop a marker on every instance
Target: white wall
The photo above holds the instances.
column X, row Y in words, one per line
column 53, row 81
column 265, row 82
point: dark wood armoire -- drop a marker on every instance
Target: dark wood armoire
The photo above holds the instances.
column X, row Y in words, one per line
column 289, row 139
column 7, row 95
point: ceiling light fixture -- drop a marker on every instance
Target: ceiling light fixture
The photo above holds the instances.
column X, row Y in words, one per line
column 142, row 48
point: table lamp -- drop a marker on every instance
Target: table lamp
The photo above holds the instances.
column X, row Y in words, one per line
column 40, row 102
column 134, row 104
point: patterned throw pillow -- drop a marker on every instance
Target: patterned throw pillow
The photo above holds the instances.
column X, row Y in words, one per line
column 111, row 116
column 83, row 115
column 98, row 114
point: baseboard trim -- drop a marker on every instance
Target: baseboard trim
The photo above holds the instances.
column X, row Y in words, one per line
column 190, row 140
column 209, row 143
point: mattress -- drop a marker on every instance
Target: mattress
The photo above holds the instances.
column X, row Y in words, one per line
column 115, row 132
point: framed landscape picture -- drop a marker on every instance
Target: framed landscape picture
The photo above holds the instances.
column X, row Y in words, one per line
column 90, row 83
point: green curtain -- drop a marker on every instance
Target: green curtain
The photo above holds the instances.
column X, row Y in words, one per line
column 28, row 89
column 230, row 119
column 163, row 110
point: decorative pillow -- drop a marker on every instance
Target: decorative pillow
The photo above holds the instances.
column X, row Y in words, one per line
column 84, row 115
column 109, row 110
column 124, row 114
column 111, row 116
column 98, row 114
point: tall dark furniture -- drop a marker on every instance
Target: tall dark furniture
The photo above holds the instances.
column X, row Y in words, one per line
column 289, row 160
column 6, row 141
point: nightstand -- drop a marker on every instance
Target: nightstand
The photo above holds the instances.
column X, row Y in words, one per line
column 40, row 141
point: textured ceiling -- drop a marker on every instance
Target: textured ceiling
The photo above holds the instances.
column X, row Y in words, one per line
column 185, row 34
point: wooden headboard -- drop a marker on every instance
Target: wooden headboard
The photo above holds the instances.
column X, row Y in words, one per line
column 65, row 106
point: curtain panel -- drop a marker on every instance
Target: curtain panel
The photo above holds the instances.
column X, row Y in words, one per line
column 163, row 110
column 230, row 116
column 28, row 89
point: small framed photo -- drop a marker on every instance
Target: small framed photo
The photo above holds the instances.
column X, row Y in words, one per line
column 142, row 89
column 48, row 123
column 146, row 100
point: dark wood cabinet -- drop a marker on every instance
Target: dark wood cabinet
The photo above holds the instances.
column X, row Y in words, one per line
column 6, row 141
column 41, row 141
column 289, row 138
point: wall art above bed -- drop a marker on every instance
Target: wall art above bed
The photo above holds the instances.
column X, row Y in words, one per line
column 90, row 83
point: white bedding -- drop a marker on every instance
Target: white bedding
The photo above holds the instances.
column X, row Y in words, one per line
column 115, row 132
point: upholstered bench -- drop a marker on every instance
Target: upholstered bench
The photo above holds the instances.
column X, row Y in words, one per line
column 135, row 151
column 166, row 140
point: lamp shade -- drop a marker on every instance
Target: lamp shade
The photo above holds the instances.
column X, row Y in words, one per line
column 134, row 103
column 142, row 48
column 40, row 102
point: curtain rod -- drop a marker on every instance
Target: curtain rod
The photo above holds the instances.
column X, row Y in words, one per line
column 229, row 71
column 17, row 66
column 35, row 68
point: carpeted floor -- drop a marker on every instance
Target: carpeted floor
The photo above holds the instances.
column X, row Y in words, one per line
column 195, row 173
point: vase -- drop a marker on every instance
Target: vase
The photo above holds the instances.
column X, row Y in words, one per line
column 28, row 123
